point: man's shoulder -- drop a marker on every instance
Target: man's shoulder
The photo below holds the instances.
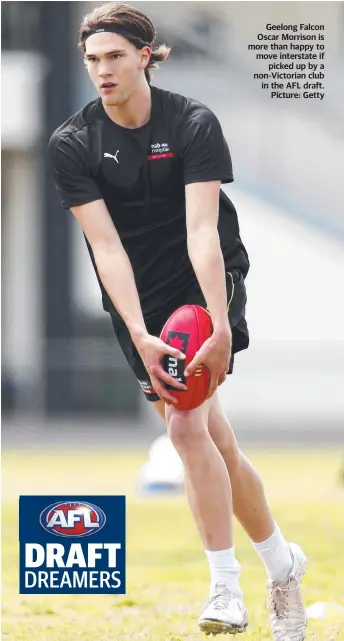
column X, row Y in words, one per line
column 75, row 125
column 183, row 109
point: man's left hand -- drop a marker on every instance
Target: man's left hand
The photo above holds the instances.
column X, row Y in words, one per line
column 215, row 354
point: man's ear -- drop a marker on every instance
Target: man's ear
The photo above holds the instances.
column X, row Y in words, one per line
column 146, row 53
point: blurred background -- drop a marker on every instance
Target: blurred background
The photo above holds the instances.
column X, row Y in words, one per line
column 62, row 371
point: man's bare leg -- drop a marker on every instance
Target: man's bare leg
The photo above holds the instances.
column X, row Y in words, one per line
column 209, row 495
column 208, row 486
column 249, row 502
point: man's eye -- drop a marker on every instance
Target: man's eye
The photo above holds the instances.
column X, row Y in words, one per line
column 116, row 55
column 91, row 59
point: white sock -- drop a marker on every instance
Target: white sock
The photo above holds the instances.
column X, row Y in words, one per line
column 275, row 554
column 224, row 568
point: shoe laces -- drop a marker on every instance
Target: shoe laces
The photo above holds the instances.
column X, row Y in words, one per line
column 278, row 601
column 221, row 600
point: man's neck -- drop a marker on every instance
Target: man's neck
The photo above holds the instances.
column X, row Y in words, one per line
column 135, row 112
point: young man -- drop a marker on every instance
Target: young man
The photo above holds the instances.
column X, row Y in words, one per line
column 141, row 170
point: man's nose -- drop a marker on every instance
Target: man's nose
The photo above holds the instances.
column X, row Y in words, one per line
column 104, row 69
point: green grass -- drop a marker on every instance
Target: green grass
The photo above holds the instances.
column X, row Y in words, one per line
column 167, row 571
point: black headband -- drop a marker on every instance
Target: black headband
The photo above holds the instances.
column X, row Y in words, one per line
column 114, row 28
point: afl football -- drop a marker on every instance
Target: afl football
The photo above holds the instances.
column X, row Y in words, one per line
column 187, row 329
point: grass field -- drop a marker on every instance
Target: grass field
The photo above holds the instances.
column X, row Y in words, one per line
column 167, row 571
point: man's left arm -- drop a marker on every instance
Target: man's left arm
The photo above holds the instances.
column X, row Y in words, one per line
column 202, row 209
column 206, row 164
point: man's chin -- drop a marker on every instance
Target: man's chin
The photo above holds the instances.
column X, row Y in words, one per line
column 112, row 101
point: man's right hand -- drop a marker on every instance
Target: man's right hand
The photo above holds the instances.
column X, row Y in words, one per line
column 152, row 350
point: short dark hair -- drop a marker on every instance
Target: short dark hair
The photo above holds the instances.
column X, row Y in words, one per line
column 127, row 17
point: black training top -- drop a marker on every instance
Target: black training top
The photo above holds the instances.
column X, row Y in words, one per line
column 141, row 175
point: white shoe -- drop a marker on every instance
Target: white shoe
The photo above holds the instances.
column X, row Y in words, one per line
column 224, row 613
column 287, row 613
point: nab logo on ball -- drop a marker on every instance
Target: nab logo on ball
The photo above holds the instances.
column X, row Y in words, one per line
column 174, row 366
column 72, row 519
column 72, row 545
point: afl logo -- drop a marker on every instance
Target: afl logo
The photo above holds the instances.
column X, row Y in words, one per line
column 72, row 519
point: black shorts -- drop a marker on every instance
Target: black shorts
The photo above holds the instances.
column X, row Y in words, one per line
column 192, row 295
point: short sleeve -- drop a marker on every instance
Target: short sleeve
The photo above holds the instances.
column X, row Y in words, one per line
column 203, row 148
column 73, row 179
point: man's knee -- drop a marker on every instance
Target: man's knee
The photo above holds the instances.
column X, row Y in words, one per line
column 187, row 429
column 184, row 428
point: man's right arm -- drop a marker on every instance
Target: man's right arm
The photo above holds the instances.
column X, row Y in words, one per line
column 113, row 264
column 117, row 276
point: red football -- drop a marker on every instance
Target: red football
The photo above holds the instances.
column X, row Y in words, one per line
column 187, row 329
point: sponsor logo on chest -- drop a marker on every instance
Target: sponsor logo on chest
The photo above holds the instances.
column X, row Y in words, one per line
column 160, row 150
